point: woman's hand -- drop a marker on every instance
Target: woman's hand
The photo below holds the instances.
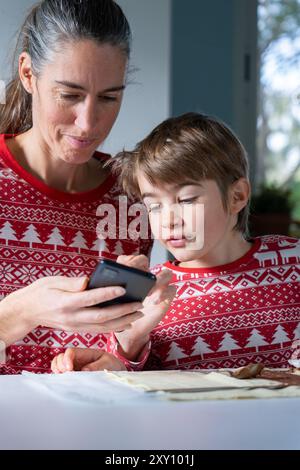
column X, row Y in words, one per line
column 154, row 309
column 79, row 359
column 63, row 303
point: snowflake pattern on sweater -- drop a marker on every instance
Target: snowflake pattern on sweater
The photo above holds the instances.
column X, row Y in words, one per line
column 228, row 316
column 46, row 232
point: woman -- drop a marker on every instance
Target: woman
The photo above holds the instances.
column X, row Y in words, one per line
column 60, row 106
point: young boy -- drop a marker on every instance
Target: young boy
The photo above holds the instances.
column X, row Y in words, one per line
column 238, row 299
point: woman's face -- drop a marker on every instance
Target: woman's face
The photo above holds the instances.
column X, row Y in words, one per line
column 77, row 97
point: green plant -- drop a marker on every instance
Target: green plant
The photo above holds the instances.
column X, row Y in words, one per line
column 272, row 199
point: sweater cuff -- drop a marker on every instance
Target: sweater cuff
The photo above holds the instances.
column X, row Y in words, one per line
column 113, row 347
column 8, row 370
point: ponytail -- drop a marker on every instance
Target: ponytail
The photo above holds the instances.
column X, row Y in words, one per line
column 16, row 114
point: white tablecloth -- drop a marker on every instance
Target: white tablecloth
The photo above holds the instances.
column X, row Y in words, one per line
column 84, row 411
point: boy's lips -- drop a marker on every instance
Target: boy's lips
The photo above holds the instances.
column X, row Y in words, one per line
column 180, row 241
column 177, row 242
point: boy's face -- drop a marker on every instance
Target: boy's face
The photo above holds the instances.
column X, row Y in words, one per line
column 189, row 220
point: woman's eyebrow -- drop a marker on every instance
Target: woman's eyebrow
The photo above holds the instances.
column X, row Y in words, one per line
column 80, row 87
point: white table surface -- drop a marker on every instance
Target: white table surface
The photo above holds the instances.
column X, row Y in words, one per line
column 33, row 418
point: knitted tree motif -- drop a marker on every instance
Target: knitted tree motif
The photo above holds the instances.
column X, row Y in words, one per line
column 228, row 343
column 118, row 248
column 175, row 353
column 280, row 336
column 297, row 332
column 55, row 238
column 200, row 347
column 256, row 340
column 31, row 235
column 79, row 241
column 99, row 245
column 7, row 232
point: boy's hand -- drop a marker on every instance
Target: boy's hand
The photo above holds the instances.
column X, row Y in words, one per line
column 156, row 305
column 80, row 359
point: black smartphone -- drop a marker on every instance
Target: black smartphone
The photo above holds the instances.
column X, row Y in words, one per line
column 110, row 273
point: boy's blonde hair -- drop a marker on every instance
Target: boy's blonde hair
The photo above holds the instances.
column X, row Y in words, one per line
column 187, row 148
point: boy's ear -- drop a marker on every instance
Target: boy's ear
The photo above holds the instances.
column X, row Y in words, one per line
column 239, row 195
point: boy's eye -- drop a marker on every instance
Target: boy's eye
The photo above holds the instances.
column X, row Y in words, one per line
column 154, row 208
column 189, row 200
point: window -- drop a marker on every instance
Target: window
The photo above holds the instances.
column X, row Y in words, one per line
column 278, row 104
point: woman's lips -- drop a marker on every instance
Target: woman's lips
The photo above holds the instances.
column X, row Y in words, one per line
column 78, row 143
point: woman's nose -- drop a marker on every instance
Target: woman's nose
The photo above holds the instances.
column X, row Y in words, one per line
column 86, row 117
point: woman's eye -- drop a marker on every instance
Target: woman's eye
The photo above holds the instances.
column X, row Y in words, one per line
column 108, row 98
column 72, row 97
column 68, row 97
column 65, row 96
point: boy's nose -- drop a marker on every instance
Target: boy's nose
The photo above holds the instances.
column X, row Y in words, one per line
column 172, row 218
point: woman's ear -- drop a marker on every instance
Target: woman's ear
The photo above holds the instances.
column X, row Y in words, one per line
column 25, row 72
column 239, row 195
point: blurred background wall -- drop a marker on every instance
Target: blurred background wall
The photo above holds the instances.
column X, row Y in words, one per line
column 194, row 55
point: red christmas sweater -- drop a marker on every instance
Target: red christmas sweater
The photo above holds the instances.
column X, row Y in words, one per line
column 46, row 232
column 228, row 316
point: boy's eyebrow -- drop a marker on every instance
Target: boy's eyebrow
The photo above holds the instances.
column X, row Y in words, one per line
column 144, row 195
column 176, row 186
column 79, row 87
column 188, row 183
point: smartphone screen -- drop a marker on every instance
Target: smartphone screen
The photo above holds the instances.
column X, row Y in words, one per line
column 109, row 273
